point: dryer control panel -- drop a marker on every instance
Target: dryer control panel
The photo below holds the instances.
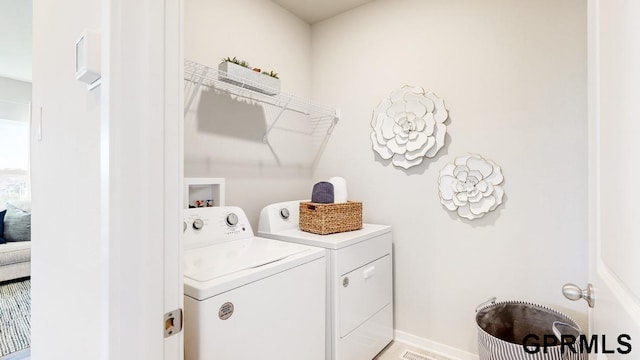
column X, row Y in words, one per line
column 214, row 225
column 279, row 217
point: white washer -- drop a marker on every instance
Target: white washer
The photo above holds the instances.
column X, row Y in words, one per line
column 359, row 281
column 248, row 297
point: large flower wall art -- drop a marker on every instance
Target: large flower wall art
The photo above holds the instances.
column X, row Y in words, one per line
column 408, row 126
column 471, row 186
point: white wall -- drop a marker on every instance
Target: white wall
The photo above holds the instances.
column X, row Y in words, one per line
column 514, row 76
column 15, row 90
column 68, row 293
column 15, row 96
column 228, row 143
column 107, row 182
column 15, row 39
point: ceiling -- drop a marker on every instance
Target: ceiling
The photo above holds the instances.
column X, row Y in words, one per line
column 313, row 11
column 15, row 39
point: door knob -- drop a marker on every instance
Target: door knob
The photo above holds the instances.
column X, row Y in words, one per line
column 574, row 292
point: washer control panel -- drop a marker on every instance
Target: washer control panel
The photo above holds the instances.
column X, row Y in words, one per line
column 232, row 220
column 213, row 225
column 198, row 224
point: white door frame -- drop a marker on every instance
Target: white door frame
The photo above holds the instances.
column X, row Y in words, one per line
column 142, row 157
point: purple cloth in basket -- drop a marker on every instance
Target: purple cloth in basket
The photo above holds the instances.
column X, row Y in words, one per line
column 322, row 193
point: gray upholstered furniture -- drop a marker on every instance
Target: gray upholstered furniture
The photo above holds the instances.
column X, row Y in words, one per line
column 15, row 256
column 15, row 260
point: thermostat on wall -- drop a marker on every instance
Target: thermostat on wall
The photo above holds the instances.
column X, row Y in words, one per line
column 88, row 58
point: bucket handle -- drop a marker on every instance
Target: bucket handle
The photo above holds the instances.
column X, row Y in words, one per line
column 490, row 301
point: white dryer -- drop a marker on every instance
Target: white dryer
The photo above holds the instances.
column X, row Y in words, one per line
column 359, row 281
column 248, row 297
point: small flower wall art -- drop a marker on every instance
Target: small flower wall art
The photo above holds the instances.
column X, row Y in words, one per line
column 471, row 186
column 408, row 126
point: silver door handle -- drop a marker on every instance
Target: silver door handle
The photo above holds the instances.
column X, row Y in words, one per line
column 574, row 292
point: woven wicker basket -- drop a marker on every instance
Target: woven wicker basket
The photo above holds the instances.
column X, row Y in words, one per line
column 330, row 218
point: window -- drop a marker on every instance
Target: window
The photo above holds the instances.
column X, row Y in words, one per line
column 14, row 160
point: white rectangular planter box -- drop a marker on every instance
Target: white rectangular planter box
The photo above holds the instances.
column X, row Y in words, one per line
column 247, row 78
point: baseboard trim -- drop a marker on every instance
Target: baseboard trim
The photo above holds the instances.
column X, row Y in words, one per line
column 432, row 346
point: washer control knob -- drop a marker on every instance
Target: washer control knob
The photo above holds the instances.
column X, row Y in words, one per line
column 284, row 213
column 198, row 224
column 232, row 219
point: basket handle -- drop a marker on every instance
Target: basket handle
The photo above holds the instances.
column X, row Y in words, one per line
column 557, row 333
column 491, row 301
column 311, row 207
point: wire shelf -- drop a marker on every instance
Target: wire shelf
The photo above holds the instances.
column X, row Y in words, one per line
column 321, row 119
column 212, row 77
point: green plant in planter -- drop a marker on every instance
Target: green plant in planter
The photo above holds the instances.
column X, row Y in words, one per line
column 243, row 63
column 271, row 73
column 237, row 62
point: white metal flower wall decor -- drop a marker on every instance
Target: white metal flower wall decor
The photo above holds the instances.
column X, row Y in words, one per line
column 471, row 186
column 409, row 126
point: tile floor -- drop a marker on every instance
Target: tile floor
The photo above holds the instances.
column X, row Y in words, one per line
column 393, row 352
column 19, row 355
column 397, row 349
